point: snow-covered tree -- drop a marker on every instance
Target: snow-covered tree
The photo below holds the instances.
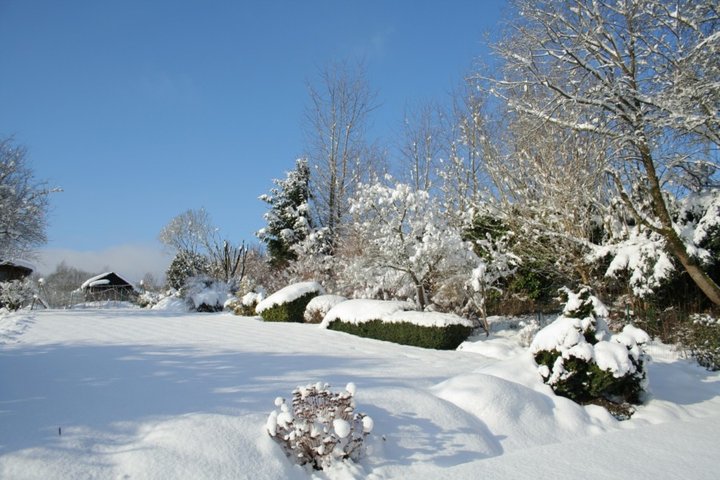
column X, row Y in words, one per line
column 288, row 220
column 468, row 145
column 550, row 188
column 642, row 254
column 404, row 237
column 422, row 144
column 23, row 203
column 315, row 259
column 186, row 265
column 496, row 264
column 641, row 76
column 188, row 232
column 16, row 294
column 192, row 235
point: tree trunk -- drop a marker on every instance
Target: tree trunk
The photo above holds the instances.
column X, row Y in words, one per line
column 675, row 243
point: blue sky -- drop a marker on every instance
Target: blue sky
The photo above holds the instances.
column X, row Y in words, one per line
column 140, row 110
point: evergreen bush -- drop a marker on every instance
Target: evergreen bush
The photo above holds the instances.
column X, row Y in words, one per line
column 580, row 360
column 292, row 311
column 700, row 338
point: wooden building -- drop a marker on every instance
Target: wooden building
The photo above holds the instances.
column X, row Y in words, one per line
column 108, row 286
column 14, row 270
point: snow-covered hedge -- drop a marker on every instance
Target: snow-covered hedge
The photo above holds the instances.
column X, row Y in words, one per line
column 393, row 321
column 579, row 359
column 288, row 304
column 319, row 307
column 320, row 427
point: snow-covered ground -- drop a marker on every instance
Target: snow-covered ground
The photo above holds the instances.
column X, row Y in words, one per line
column 130, row 393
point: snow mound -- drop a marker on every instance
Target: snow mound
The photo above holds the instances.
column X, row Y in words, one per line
column 524, row 417
column 364, row 310
column 172, row 304
column 288, row 294
column 320, row 306
column 12, row 326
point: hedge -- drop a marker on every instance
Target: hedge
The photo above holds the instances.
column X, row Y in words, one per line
column 290, row 311
column 406, row 333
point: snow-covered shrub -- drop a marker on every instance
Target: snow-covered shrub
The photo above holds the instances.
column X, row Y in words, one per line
column 15, row 294
column 579, row 358
column 700, row 337
column 288, row 304
column 392, row 322
column 320, row 427
column 148, row 299
column 185, row 265
column 319, row 307
column 171, row 301
column 404, row 232
column 245, row 306
column 206, row 294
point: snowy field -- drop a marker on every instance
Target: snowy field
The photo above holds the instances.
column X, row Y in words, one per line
column 135, row 394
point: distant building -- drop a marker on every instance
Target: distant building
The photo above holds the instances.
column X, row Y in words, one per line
column 108, row 286
column 15, row 270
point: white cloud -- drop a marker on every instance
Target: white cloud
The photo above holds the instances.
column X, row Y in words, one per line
column 131, row 262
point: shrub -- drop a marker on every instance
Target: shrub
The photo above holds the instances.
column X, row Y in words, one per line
column 320, row 426
column 148, row 299
column 15, row 294
column 184, row 266
column 288, row 312
column 246, row 305
column 700, row 338
column 580, row 360
column 288, row 304
column 441, row 338
column 319, row 307
column 206, row 294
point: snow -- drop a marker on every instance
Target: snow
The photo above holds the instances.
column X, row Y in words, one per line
column 325, row 302
column 251, row 298
column 364, row 310
column 320, row 306
column 171, row 304
column 288, row 294
column 562, row 334
column 341, row 427
column 133, row 393
column 427, row 319
column 613, row 356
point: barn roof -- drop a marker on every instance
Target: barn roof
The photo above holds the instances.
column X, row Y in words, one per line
column 107, row 278
column 18, row 263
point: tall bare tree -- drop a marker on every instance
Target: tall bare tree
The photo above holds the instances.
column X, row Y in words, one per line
column 640, row 74
column 469, row 143
column 193, row 234
column 422, row 144
column 23, row 203
column 338, row 151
